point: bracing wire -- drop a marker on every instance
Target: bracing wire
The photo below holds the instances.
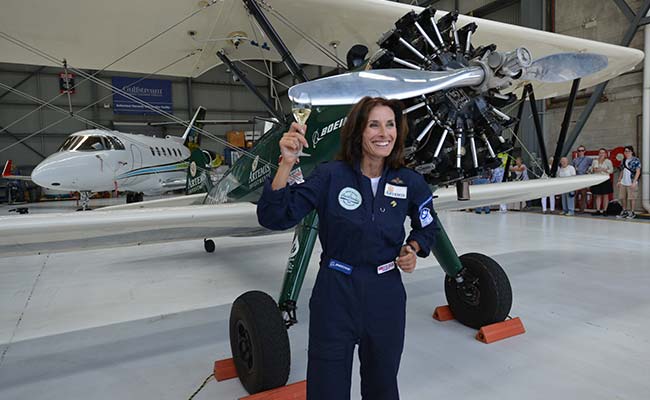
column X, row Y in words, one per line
column 147, row 105
column 74, row 115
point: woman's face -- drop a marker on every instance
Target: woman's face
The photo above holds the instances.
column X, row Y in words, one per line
column 380, row 133
column 627, row 153
column 602, row 154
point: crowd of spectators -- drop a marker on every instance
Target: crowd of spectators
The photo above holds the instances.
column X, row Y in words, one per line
column 627, row 183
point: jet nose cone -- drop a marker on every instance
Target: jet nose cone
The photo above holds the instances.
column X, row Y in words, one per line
column 74, row 171
column 45, row 175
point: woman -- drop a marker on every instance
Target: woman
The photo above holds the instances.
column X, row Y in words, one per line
column 628, row 182
column 521, row 174
column 362, row 201
column 550, row 198
column 603, row 166
column 568, row 199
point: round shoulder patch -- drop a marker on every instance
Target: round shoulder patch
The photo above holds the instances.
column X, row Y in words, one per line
column 349, row 198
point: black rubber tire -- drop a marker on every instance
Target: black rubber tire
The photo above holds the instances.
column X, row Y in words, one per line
column 259, row 342
column 129, row 197
column 208, row 245
column 494, row 298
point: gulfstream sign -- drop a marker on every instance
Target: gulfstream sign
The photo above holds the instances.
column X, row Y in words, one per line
column 156, row 92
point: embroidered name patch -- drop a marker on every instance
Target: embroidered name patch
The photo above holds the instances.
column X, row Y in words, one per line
column 385, row 268
column 339, row 266
column 396, row 192
column 349, row 198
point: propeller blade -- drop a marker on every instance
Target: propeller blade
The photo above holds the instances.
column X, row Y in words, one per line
column 564, row 67
column 396, row 84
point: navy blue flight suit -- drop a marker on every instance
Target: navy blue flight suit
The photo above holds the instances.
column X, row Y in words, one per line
column 352, row 303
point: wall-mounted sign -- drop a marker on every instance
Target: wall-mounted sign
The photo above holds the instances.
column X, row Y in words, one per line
column 156, row 92
column 66, row 83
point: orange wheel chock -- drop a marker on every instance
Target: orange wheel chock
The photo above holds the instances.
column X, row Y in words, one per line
column 443, row 313
column 295, row 391
column 500, row 330
column 224, row 369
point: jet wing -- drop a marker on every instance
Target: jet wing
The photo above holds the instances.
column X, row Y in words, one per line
column 110, row 227
column 95, row 43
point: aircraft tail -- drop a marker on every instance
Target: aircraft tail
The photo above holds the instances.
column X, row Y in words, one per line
column 192, row 137
column 198, row 173
column 6, row 171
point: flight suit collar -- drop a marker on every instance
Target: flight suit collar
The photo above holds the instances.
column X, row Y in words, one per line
column 357, row 168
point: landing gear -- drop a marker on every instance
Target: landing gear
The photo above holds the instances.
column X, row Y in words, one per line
column 259, row 342
column 481, row 294
column 134, row 197
column 208, row 245
column 84, row 199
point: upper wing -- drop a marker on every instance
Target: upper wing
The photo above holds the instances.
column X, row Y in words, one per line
column 507, row 192
column 94, row 43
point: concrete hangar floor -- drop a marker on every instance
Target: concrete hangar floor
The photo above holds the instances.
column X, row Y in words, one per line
column 149, row 321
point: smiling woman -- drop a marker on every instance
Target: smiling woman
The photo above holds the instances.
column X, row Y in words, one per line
column 362, row 201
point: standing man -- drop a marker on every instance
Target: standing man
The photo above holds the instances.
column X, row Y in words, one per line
column 628, row 183
column 581, row 163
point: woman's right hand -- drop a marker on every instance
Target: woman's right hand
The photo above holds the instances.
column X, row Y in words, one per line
column 291, row 143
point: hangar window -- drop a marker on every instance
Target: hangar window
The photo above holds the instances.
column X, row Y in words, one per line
column 153, row 153
column 158, row 151
column 164, row 152
column 169, row 151
column 175, row 152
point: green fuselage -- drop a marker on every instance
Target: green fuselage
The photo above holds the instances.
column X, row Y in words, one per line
column 244, row 182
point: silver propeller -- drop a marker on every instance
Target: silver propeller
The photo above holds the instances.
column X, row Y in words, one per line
column 396, row 84
column 402, row 84
column 564, row 67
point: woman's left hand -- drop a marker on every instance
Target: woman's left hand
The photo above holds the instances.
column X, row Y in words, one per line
column 407, row 259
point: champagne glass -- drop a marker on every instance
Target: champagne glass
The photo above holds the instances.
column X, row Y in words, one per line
column 301, row 108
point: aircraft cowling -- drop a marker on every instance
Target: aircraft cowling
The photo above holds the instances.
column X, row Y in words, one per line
column 454, row 134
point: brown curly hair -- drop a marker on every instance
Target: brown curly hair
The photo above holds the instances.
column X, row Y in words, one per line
column 352, row 131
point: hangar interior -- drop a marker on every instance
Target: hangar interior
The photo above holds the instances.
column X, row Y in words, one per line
column 149, row 320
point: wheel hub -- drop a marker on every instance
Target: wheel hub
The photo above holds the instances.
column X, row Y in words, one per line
column 244, row 345
column 469, row 291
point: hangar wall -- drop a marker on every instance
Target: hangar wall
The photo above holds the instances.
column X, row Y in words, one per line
column 616, row 119
column 215, row 90
column 613, row 123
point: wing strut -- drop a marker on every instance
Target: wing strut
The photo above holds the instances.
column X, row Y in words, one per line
column 538, row 127
column 240, row 74
column 565, row 126
column 287, row 57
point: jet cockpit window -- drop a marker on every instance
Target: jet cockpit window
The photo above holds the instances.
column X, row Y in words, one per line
column 118, row 143
column 92, row 143
column 110, row 144
column 70, row 143
column 113, row 143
